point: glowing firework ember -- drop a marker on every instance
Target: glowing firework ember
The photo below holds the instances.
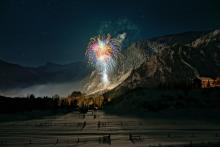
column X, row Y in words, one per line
column 102, row 53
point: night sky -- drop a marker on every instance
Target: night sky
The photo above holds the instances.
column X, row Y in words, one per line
column 33, row 32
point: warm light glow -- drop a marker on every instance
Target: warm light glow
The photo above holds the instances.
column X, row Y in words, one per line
column 102, row 53
column 105, row 78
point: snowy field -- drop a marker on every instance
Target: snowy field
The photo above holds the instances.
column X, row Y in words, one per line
column 99, row 129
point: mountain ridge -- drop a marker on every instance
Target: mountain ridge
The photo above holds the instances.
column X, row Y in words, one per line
column 174, row 65
column 17, row 76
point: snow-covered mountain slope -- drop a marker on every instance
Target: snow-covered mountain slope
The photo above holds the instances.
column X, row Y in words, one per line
column 175, row 64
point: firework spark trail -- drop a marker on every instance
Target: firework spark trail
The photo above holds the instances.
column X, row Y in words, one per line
column 102, row 53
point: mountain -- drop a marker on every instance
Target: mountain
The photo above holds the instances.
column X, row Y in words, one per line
column 173, row 65
column 16, row 76
column 165, row 61
column 180, row 38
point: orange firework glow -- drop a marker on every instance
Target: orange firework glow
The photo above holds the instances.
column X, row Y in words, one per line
column 102, row 53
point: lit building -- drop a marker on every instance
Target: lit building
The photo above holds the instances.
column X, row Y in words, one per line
column 207, row 82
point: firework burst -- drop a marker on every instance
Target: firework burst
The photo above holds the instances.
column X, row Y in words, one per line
column 102, row 53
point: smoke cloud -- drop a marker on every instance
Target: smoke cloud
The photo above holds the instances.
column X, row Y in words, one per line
column 63, row 89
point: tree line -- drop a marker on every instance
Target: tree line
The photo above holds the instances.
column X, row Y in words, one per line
column 31, row 103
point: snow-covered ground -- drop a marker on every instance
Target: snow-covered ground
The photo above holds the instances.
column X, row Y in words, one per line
column 100, row 129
